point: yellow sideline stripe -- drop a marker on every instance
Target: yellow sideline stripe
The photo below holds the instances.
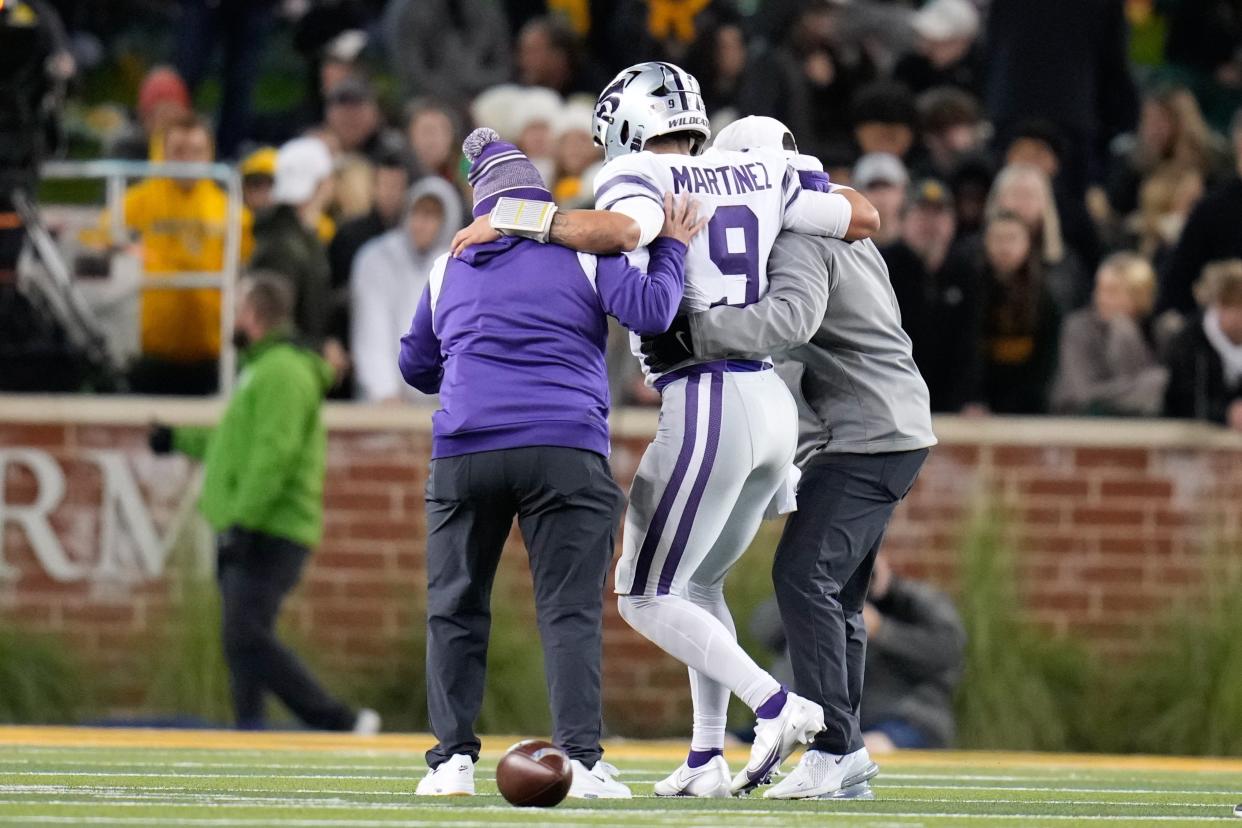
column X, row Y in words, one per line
column 617, row 749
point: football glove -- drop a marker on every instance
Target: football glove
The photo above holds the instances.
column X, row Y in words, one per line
column 673, row 347
column 160, row 439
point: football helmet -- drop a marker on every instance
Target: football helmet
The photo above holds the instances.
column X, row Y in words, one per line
column 647, row 100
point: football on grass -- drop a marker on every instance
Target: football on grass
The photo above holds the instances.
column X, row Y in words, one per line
column 534, row 774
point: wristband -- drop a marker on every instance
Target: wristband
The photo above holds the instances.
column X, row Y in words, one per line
column 525, row 217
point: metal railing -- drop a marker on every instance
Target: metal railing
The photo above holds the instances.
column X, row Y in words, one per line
column 116, row 176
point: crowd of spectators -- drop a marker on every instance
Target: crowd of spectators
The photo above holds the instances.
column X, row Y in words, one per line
column 1061, row 199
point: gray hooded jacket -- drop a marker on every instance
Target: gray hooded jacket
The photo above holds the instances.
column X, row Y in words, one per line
column 832, row 319
column 385, row 285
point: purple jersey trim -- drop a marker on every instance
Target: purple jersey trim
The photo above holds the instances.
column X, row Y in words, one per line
column 636, row 180
column 719, row 366
column 621, row 198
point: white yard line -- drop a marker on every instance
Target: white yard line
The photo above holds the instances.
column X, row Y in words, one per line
column 258, row 774
column 882, row 783
column 235, row 801
column 679, row 815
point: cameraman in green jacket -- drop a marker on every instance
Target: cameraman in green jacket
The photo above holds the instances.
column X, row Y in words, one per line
column 263, row 495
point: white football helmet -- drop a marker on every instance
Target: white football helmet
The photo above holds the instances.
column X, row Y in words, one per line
column 755, row 132
column 647, row 100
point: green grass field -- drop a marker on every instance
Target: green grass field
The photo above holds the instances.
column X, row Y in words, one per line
column 83, row 777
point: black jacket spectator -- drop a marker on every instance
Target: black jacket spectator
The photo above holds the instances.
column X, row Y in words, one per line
column 1213, row 232
column 947, row 51
column 941, row 313
column 1197, row 387
column 1172, row 136
column 938, row 291
column 284, row 245
column 449, row 49
column 1021, row 323
column 918, row 73
column 813, row 86
column 1205, row 361
column 550, row 54
column 1065, row 61
column 735, row 82
column 1204, row 35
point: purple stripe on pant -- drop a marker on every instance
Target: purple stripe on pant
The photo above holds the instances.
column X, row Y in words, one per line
column 646, row 555
column 678, row 547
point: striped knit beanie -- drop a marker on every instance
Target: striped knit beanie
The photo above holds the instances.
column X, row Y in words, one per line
column 498, row 168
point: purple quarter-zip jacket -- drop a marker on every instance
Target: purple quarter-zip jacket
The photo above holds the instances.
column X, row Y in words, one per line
column 512, row 337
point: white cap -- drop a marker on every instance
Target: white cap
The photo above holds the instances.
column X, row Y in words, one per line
column 947, row 20
column 755, row 132
column 536, row 105
column 301, row 165
column 576, row 116
column 496, row 106
column 347, row 46
column 879, row 168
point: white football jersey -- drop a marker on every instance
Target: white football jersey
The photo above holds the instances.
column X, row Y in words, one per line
column 749, row 197
column 744, row 194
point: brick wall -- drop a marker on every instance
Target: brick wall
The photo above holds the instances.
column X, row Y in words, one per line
column 1109, row 518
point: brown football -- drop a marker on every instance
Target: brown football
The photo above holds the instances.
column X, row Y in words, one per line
column 534, row 774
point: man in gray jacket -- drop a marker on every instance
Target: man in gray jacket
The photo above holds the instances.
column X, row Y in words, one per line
column 865, row 431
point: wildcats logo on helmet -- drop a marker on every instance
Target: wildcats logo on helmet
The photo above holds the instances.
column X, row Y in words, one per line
column 610, row 98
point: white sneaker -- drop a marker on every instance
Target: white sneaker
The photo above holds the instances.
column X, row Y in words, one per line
column 453, row 778
column 599, row 782
column 368, row 722
column 823, row 775
column 776, row 738
column 709, row 780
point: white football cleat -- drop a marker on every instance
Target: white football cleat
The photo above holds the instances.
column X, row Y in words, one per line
column 599, row 782
column 709, row 780
column 776, row 738
column 368, row 722
column 453, row 778
column 821, row 775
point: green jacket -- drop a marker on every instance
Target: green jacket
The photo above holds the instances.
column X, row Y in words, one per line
column 266, row 457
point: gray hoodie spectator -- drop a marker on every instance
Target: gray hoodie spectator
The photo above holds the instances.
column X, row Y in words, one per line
column 388, row 278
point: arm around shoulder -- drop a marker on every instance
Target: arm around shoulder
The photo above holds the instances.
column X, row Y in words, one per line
column 644, row 303
column 786, row 317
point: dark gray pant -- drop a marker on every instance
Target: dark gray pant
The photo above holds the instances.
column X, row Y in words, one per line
column 822, row 570
column 568, row 508
column 252, row 588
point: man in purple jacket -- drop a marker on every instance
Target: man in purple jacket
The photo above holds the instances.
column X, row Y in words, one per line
column 511, row 335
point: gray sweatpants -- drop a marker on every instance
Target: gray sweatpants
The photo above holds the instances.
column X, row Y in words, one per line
column 568, row 507
column 821, row 573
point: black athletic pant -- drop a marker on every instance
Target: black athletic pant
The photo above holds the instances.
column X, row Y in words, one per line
column 822, row 570
column 252, row 587
column 151, row 375
column 568, row 508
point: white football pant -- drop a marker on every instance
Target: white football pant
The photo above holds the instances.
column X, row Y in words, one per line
column 723, row 449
